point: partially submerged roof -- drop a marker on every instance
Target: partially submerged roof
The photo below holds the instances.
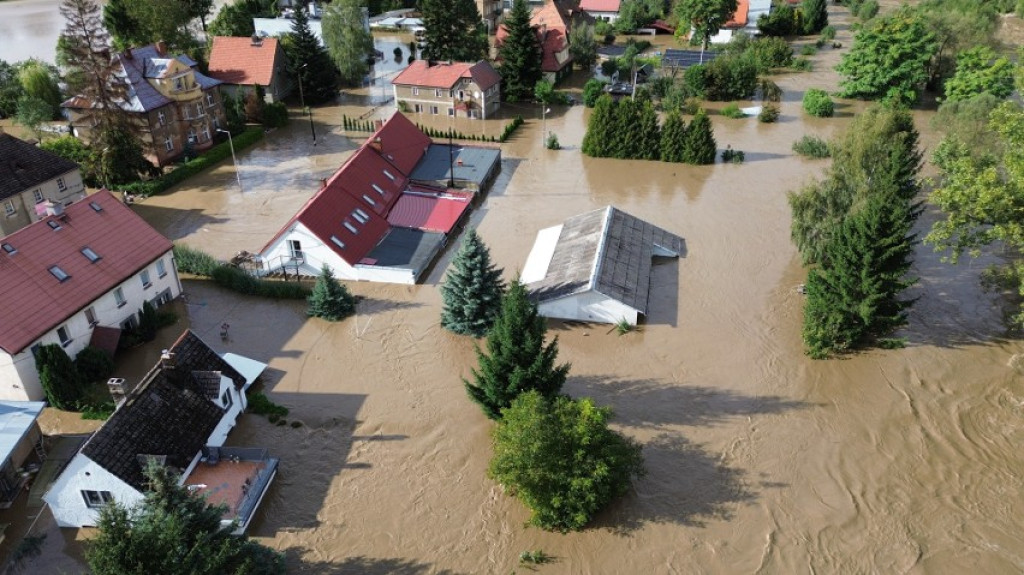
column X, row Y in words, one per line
column 16, row 419
column 429, row 74
column 35, row 299
column 24, row 166
column 243, row 61
column 685, row 58
column 606, row 250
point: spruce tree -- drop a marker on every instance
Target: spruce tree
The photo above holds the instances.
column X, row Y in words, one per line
column 673, row 138
column 597, row 140
column 517, row 358
column 520, row 55
column 625, row 129
column 472, row 289
column 309, row 62
column 815, row 15
column 58, row 377
column 454, row 31
column 649, row 143
column 330, row 299
column 701, row 147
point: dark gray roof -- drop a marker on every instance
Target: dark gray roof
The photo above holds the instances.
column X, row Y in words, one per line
column 477, row 163
column 685, row 58
column 607, row 251
column 169, row 414
column 405, row 248
column 24, row 166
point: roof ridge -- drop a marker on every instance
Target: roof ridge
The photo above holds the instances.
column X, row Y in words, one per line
column 599, row 254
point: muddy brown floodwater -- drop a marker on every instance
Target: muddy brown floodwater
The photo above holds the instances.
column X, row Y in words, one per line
column 759, row 460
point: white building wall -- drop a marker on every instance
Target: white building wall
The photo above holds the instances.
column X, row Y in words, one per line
column 19, row 379
column 385, row 275
column 589, row 306
column 227, row 422
column 315, row 251
column 65, row 495
column 609, row 17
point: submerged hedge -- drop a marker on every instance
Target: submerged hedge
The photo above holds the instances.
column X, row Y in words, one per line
column 197, row 262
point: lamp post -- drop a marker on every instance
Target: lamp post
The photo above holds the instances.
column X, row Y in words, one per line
column 544, row 123
column 302, row 100
column 234, row 160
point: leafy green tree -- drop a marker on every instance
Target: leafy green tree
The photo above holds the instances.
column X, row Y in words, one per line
column 199, row 9
column 58, row 377
column 634, row 14
column 71, row 148
column 138, row 22
column 700, row 147
column 33, row 113
column 583, row 45
column 348, row 43
column 330, row 299
column 978, row 71
column 120, row 160
column 966, row 122
column 958, row 25
column 889, row 59
column 705, row 17
column 517, row 358
column 310, row 62
column 818, row 103
column 520, row 55
column 235, row 19
column 815, row 15
column 673, row 138
column 124, row 29
column 597, row 140
column 472, row 289
column 41, row 82
column 592, row 90
column 454, row 31
column 544, row 92
column 93, row 365
column 558, row 456
column 85, row 50
column 11, row 89
column 174, row 533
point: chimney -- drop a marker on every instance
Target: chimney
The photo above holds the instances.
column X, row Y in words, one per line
column 161, row 47
column 54, row 208
column 257, row 40
column 377, row 145
column 167, row 360
column 116, row 387
column 323, row 183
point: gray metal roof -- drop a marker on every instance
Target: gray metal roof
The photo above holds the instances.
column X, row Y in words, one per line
column 476, row 163
column 16, row 419
column 405, row 248
column 24, row 166
column 607, row 251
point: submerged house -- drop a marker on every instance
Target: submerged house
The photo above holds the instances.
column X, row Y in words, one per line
column 179, row 415
column 388, row 210
column 596, row 266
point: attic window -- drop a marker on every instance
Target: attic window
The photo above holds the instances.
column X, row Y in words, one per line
column 53, row 225
column 351, row 228
column 369, row 200
column 93, row 256
column 338, row 242
column 360, row 216
column 60, row 274
column 377, row 189
column 9, row 249
column 95, row 207
column 388, row 174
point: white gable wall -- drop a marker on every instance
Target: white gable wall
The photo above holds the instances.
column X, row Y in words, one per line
column 589, row 306
column 65, row 495
column 235, row 405
column 316, row 253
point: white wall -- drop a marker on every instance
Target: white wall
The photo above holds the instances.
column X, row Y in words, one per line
column 385, row 275
column 19, row 379
column 227, row 422
column 610, row 17
column 317, row 253
column 65, row 495
column 589, row 306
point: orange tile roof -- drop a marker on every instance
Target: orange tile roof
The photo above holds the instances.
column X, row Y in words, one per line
column 446, row 74
column 739, row 18
column 237, row 61
column 553, row 30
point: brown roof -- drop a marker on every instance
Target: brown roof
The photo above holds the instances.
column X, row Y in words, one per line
column 239, row 61
column 24, row 166
column 446, row 74
column 34, row 301
column 552, row 25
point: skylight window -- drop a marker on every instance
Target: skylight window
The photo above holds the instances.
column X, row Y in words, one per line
column 53, row 225
column 388, row 174
column 369, row 200
column 95, row 207
column 93, row 256
column 351, row 228
column 377, row 188
column 9, row 249
column 60, row 274
column 360, row 216
column 338, row 242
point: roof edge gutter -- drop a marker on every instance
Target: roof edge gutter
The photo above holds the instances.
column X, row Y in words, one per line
column 598, row 257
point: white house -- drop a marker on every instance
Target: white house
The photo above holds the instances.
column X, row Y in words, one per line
column 743, row 20
column 180, row 414
column 29, row 177
column 83, row 267
column 596, row 266
column 606, row 10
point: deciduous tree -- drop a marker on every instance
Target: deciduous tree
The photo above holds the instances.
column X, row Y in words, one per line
column 40, row 81
column 472, row 289
column 583, row 46
column 978, row 71
column 11, row 89
column 330, row 299
column 704, row 17
column 520, row 55
column 235, row 19
column 348, row 43
column 454, row 31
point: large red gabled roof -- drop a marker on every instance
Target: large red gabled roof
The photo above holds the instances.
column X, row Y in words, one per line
column 239, row 61
column 366, row 169
column 34, row 301
column 401, row 143
column 600, row 5
column 739, row 18
column 445, row 75
column 327, row 213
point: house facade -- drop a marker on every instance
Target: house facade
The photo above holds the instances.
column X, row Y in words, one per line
column 242, row 64
column 30, row 177
column 180, row 414
column 70, row 273
column 171, row 104
column 490, row 12
column 606, row 10
column 553, row 22
column 458, row 89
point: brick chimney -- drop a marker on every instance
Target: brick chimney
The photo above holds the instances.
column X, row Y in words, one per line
column 117, row 392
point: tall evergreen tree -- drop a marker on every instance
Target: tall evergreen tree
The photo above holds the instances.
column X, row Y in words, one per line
column 348, row 43
column 649, row 142
column 58, row 377
column 517, row 358
column 520, row 54
column 330, row 299
column 583, row 45
column 815, row 15
column 454, row 31
column 597, row 140
column 120, row 157
column 472, row 289
column 701, row 147
column 124, row 29
column 625, row 129
column 88, row 52
column 309, row 62
column 673, row 138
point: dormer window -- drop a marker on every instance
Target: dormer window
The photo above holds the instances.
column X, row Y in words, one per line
column 179, row 83
column 369, row 200
column 338, row 242
column 53, row 225
column 93, row 256
column 95, row 207
column 389, row 176
column 377, row 189
column 9, row 249
column 61, row 275
column 360, row 216
column 351, row 228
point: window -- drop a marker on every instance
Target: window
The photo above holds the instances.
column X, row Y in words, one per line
column 161, row 269
column 437, row 93
column 60, row 274
column 191, row 136
column 388, row 174
column 9, row 249
column 462, row 94
column 351, row 228
column 130, row 323
column 360, row 216
column 119, row 297
column 186, row 112
column 95, row 207
column 216, row 123
column 144, row 278
column 161, row 117
column 179, row 84
column 433, row 110
column 415, row 91
column 90, row 316
column 38, row 196
column 451, row 111
column 96, row 499
column 163, row 298
column 199, row 109
column 451, row 93
column 63, row 336
column 369, row 200
column 338, row 242
column 168, row 144
column 418, row 108
column 9, row 208
column 209, row 99
column 35, row 350
column 53, row 225
column 206, row 133
column 377, row 189
column 93, row 256
column 225, row 399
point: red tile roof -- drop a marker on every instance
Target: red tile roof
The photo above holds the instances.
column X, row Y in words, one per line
column 401, row 143
column 237, row 61
column 553, row 30
column 34, row 301
column 600, row 5
column 429, row 212
column 330, row 209
column 739, row 18
column 446, row 75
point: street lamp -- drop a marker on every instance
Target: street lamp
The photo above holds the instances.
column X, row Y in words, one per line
column 302, row 100
column 231, row 143
column 544, row 124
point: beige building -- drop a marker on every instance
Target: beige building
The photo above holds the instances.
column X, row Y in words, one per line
column 29, row 178
column 458, row 89
column 490, row 11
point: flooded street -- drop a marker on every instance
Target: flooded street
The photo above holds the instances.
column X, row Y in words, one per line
column 759, row 460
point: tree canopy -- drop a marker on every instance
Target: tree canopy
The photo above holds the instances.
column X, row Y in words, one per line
column 330, row 299
column 705, row 17
column 472, row 289
column 978, row 71
column 348, row 43
column 454, row 31
column 310, row 62
column 520, row 55
column 583, row 45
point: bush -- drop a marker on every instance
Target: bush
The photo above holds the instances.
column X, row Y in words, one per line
column 808, row 50
column 731, row 156
column 771, row 52
column 695, row 81
column 769, row 113
column 239, row 280
column 770, row 91
column 93, row 365
column 260, row 404
column 783, row 20
column 803, row 64
column 828, row 33
column 602, row 28
column 275, row 115
column 592, row 90
column 868, row 10
column 552, row 142
column 510, row 128
column 733, row 111
column 609, row 67
column 812, row 147
column 193, row 261
column 818, row 103
column 730, row 78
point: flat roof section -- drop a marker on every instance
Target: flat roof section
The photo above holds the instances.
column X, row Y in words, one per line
column 405, row 249
column 472, row 163
column 16, row 418
column 430, row 213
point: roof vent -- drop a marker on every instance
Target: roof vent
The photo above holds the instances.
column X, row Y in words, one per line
column 9, row 249
column 54, row 209
column 167, row 360
column 95, row 207
column 257, row 40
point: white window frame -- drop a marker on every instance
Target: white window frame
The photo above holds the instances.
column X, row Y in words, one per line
column 451, row 112
column 169, row 144
column 206, row 133
column 199, row 109
column 61, row 185
column 415, row 91
column 37, row 194
column 210, row 101
column 437, row 92
column 161, row 117
column 96, row 499
column 119, row 297
column 144, row 278
column 418, row 108
column 161, row 268
column 434, row 110
column 9, row 208
column 63, row 335
column 192, row 136
column 90, row 316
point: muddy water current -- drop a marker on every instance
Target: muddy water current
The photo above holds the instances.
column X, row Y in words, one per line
column 759, row 460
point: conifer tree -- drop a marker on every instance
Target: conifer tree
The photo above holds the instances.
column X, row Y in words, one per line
column 58, row 377
column 815, row 14
column 472, row 289
column 625, row 129
column 673, row 138
column 597, row 140
column 520, row 55
column 649, row 142
column 701, row 147
column 310, row 62
column 517, row 358
column 330, row 300
column 453, row 31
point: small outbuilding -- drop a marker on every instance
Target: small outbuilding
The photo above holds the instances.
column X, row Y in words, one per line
column 596, row 266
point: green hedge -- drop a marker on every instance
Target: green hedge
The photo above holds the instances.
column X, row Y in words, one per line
column 196, row 262
column 193, row 261
column 221, row 151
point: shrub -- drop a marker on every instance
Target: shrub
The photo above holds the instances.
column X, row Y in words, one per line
column 771, row 52
column 828, row 33
column 783, row 20
column 733, row 111
column 609, row 67
column 769, row 113
column 818, row 103
column 275, row 115
column 770, row 91
column 193, row 261
column 592, row 90
column 803, row 64
column 695, row 81
column 602, row 28
column 812, row 147
column 730, row 78
column 330, row 299
column 260, row 404
column 552, row 142
column 511, row 127
column 93, row 365
column 731, row 156
column 808, row 50
column 868, row 10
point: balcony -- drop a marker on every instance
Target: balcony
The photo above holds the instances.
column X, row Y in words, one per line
column 236, row 477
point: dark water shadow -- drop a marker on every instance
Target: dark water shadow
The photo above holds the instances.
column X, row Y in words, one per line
column 370, row 305
column 761, row 156
column 175, row 223
column 360, row 565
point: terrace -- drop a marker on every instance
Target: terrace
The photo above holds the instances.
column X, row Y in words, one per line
column 236, row 477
